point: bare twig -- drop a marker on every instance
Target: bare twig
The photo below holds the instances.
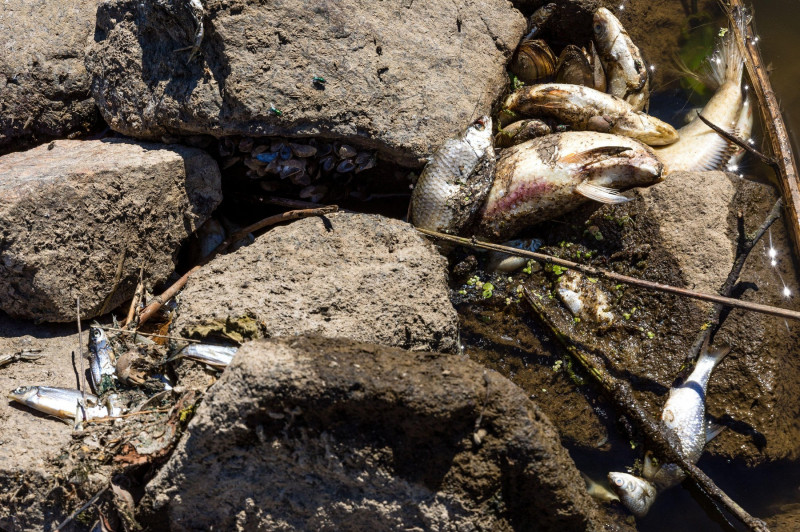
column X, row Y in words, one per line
column 665, row 446
column 77, row 512
column 170, row 292
column 772, row 119
column 739, row 142
column 80, row 356
column 130, row 414
column 745, row 247
column 138, row 295
column 151, row 335
column 598, row 272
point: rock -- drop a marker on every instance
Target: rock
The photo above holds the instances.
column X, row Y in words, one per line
column 367, row 277
column 315, row 433
column 44, row 86
column 399, row 76
column 80, row 218
column 683, row 232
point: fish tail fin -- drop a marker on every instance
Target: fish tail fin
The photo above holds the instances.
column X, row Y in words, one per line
column 726, row 63
column 713, row 356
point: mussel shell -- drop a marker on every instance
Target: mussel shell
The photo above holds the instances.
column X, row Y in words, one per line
column 327, row 163
column 246, row 144
column 303, row 150
column 533, row 61
column 345, row 166
column 574, row 68
column 346, row 151
column 521, row 131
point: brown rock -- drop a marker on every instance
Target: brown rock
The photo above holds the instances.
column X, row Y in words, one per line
column 399, row 76
column 44, row 87
column 315, row 433
column 368, row 278
column 80, row 218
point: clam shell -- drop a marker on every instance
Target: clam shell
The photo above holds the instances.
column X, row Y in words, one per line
column 533, row 61
column 246, row 144
column 346, row 151
column 327, row 163
column 261, row 148
column 303, row 150
column 345, row 166
column 574, row 68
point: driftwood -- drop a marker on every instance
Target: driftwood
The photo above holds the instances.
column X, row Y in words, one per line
column 170, row 292
column 598, row 272
column 663, row 445
column 772, row 119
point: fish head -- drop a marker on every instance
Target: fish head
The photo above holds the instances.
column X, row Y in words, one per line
column 97, row 337
column 636, row 493
column 479, row 134
column 632, row 165
column 606, row 27
column 652, row 131
column 23, row 393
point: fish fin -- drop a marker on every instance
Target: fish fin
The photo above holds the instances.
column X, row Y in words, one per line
column 595, row 155
column 713, row 429
column 716, row 353
column 600, row 193
column 650, row 467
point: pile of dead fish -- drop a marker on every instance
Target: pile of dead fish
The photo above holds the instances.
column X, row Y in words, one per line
column 107, row 374
column 577, row 131
column 314, row 170
column 564, row 141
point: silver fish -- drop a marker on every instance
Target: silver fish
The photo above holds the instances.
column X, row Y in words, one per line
column 59, row 402
column 584, row 108
column 597, row 490
column 454, row 183
column 634, row 492
column 218, row 356
column 700, row 147
column 503, row 262
column 583, row 297
column 548, row 176
column 102, row 360
column 626, row 71
column 684, row 416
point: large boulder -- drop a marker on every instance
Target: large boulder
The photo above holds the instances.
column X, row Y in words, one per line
column 364, row 277
column 323, row 434
column 398, row 76
column 79, row 218
column 44, row 87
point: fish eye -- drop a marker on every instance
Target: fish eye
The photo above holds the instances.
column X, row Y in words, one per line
column 598, row 28
column 20, row 390
column 479, row 124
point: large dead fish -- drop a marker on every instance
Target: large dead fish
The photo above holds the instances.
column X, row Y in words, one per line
column 701, row 148
column 684, row 415
column 626, row 71
column 454, row 183
column 548, row 176
column 584, row 108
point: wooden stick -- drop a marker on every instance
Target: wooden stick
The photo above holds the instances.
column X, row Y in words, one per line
column 139, row 333
column 80, row 356
column 77, row 512
column 772, row 118
column 618, row 277
column 665, row 446
column 129, row 414
column 137, row 297
column 170, row 292
column 739, row 142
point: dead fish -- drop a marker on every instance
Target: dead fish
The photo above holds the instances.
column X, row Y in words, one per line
column 503, row 262
column 454, row 183
column 546, row 177
column 217, row 356
column 626, row 71
column 584, row 297
column 597, row 490
column 60, row 402
column 584, row 108
column 102, row 360
column 573, row 67
column 27, row 354
column 701, row 148
column 598, row 72
column 684, row 415
column 533, row 62
column 520, row 131
column 634, row 492
column 539, row 19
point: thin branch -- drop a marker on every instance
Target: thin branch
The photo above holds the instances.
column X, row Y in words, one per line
column 598, row 272
column 170, row 292
column 739, row 142
column 745, row 247
column 129, row 414
column 664, row 445
column 80, row 356
column 151, row 335
column 772, row 119
column 77, row 512
column 138, row 295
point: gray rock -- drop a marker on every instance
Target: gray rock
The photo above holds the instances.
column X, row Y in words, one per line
column 368, row 278
column 79, row 218
column 323, row 434
column 399, row 76
column 44, row 87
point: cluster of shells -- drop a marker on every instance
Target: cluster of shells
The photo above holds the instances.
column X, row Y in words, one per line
column 312, row 169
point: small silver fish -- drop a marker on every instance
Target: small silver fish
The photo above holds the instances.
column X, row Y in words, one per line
column 102, row 360
column 60, row 402
column 684, row 415
column 584, row 297
column 455, row 182
column 634, row 492
column 548, row 176
column 700, row 147
column 28, row 355
column 597, row 490
column 625, row 69
column 584, row 108
column 503, row 262
column 217, row 356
